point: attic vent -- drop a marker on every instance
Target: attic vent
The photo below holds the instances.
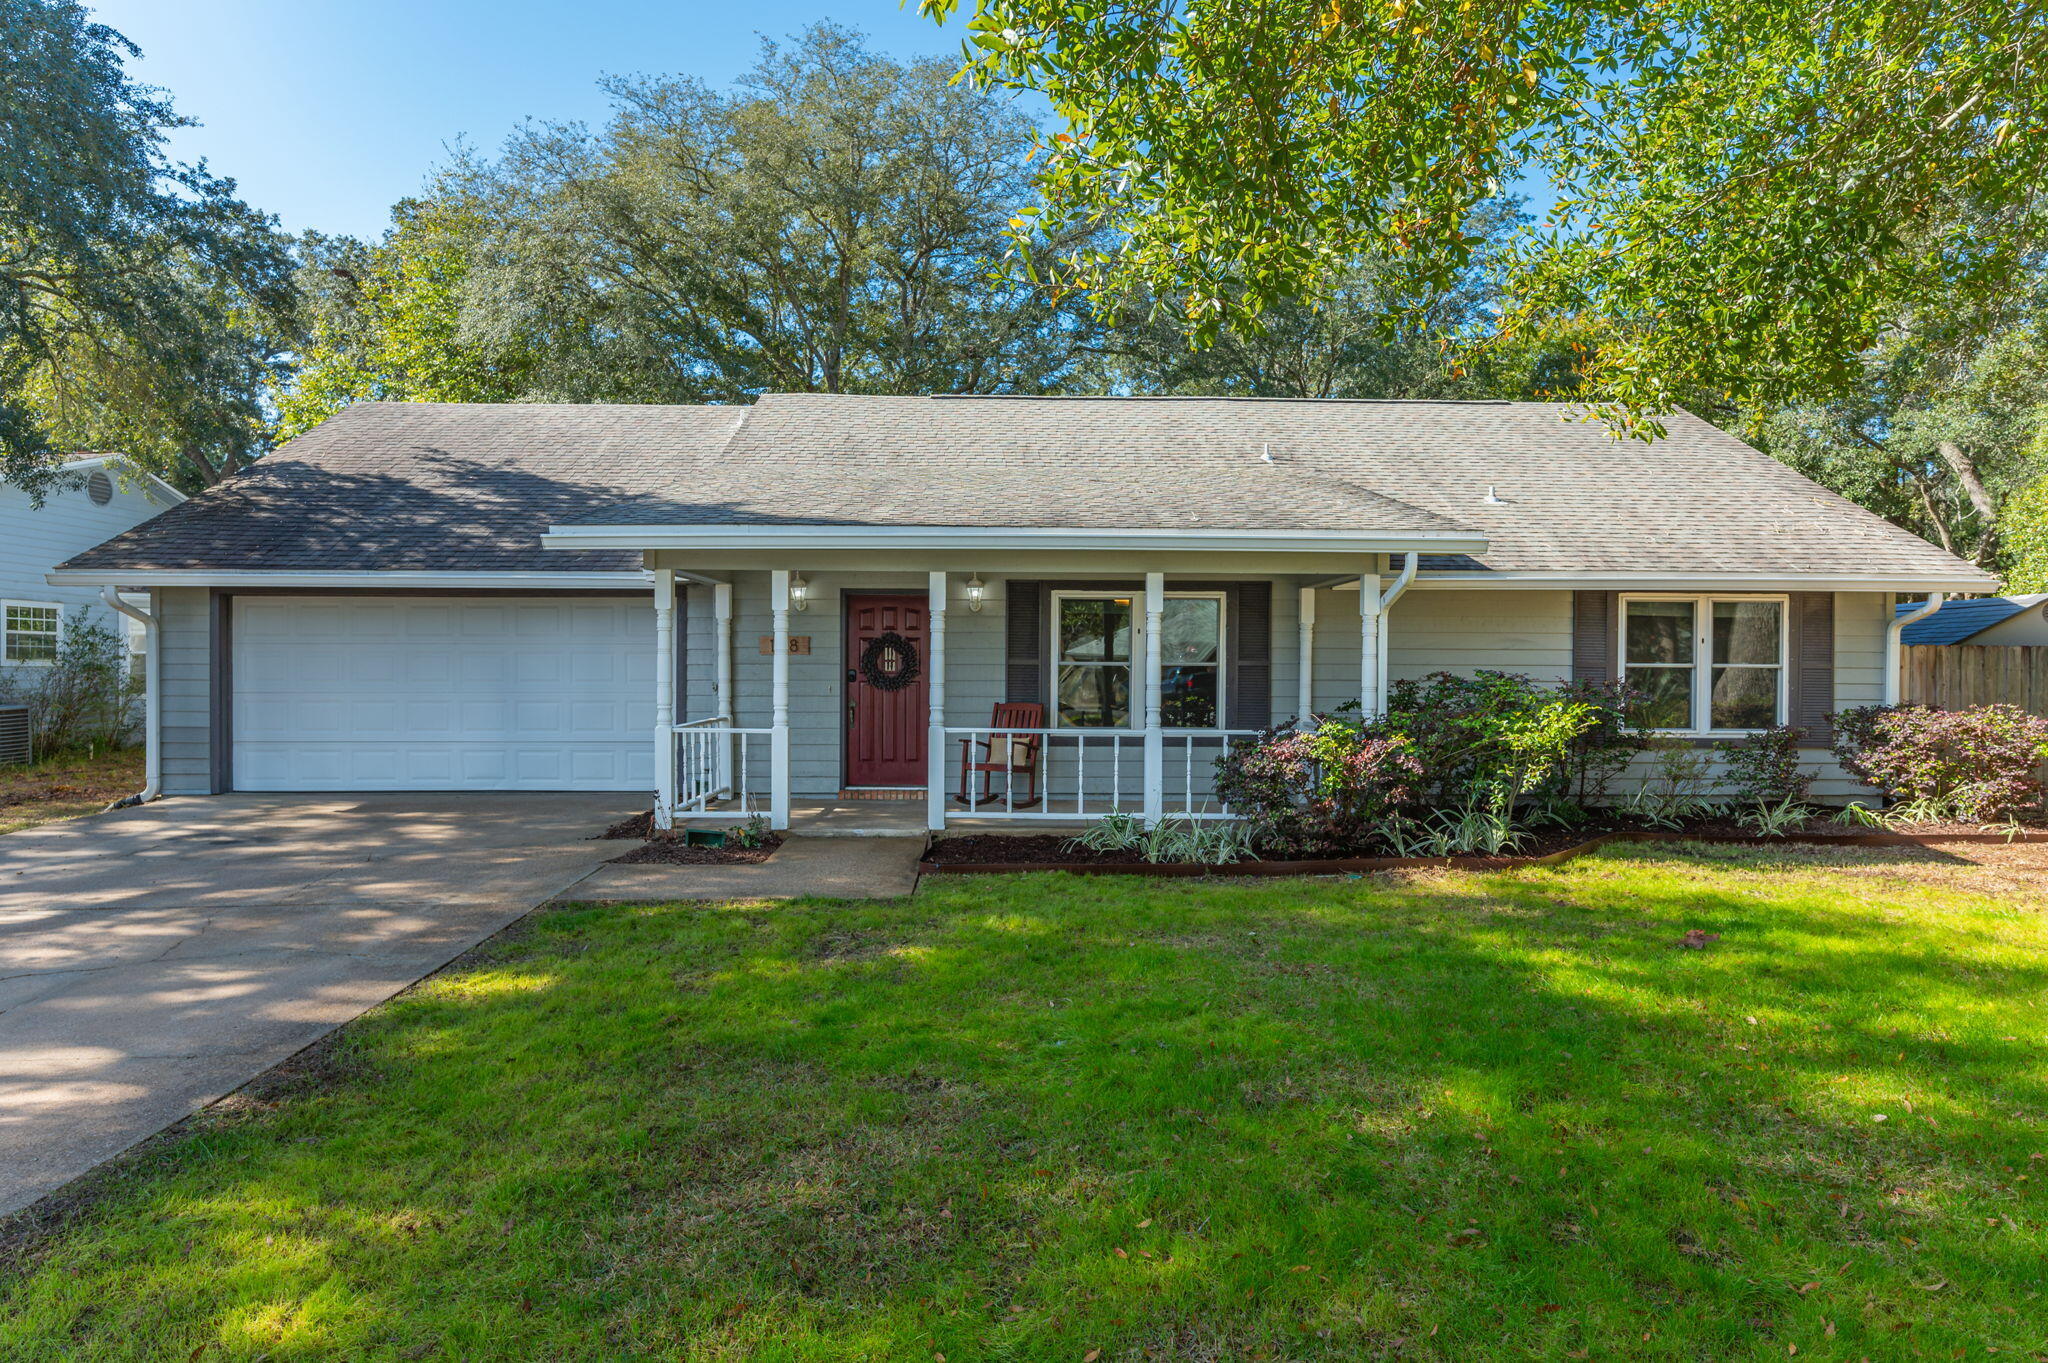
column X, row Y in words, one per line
column 99, row 487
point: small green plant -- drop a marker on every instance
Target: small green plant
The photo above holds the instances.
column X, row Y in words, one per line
column 1115, row 831
column 1774, row 820
column 1473, row 830
column 1856, row 814
column 1675, row 790
column 1555, row 809
column 1764, row 769
column 752, row 833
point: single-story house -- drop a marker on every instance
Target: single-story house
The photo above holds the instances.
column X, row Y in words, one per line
column 95, row 496
column 2007, row 620
column 820, row 596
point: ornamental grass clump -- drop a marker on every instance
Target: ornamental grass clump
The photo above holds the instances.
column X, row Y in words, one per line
column 1974, row 765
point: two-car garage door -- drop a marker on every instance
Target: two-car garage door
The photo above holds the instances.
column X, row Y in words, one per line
column 442, row 693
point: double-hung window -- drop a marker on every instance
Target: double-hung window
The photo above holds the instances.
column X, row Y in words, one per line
column 1098, row 660
column 33, row 629
column 1705, row 664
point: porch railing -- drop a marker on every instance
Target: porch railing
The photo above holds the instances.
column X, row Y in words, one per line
column 1085, row 774
column 713, row 762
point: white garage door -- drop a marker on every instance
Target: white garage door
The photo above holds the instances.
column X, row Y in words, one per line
column 483, row 693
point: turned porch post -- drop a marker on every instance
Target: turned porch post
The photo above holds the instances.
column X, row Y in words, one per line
column 664, row 698
column 1155, row 739
column 935, row 701
column 778, row 738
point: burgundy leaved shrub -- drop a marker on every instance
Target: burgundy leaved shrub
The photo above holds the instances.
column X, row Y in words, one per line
column 1323, row 791
column 1973, row 764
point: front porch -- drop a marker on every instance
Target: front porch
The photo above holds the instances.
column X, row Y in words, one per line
column 1133, row 706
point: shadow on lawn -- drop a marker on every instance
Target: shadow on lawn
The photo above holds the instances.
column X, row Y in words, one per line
column 1441, row 1116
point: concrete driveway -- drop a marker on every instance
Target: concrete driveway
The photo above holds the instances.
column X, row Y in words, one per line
column 155, row 959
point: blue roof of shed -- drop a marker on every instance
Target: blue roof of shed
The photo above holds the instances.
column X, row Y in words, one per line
column 1958, row 620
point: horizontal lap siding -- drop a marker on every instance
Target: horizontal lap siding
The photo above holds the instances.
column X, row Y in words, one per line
column 1444, row 631
column 185, row 676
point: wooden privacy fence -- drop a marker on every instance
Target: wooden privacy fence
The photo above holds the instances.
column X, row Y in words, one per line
column 1951, row 676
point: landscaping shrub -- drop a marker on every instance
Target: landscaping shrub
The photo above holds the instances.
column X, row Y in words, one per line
column 1490, row 738
column 1764, row 768
column 84, row 701
column 1972, row 764
column 1324, row 791
column 1601, row 750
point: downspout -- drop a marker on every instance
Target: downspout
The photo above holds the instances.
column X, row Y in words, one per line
column 152, row 703
column 1387, row 598
column 1893, row 651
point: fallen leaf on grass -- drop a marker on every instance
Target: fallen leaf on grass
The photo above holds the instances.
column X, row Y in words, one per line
column 1698, row 939
column 1091, row 1356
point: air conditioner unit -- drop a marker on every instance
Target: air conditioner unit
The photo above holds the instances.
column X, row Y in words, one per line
column 17, row 743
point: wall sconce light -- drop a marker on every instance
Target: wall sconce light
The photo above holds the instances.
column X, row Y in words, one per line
column 977, row 593
column 799, row 592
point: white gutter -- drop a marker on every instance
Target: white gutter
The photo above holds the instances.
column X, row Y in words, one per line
column 152, row 702
column 1387, row 598
column 1894, row 654
column 1967, row 581
column 1006, row 537
column 210, row 577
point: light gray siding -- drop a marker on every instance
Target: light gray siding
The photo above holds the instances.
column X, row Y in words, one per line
column 35, row 539
column 185, row 671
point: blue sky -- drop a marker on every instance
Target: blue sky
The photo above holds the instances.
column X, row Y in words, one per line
column 326, row 111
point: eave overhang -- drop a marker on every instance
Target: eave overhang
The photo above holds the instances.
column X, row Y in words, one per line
column 984, row 538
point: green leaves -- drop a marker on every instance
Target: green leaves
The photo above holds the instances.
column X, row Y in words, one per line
column 1750, row 189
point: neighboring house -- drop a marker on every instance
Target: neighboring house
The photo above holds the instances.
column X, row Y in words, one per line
column 429, row 597
column 1980, row 620
column 98, row 496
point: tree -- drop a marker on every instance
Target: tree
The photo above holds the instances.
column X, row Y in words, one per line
column 140, row 300
column 1751, row 190
column 1365, row 336
column 385, row 322
column 1946, row 422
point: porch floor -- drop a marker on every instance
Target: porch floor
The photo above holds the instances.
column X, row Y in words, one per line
column 876, row 819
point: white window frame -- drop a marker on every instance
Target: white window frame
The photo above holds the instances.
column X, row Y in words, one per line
column 1702, row 655
column 7, row 658
column 1137, row 663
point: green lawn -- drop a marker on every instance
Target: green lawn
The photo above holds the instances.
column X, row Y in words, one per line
column 1439, row 1117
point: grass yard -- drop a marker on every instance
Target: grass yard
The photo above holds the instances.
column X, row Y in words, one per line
column 65, row 787
column 1443, row 1116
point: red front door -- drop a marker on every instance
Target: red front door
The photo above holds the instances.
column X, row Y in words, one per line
column 885, row 691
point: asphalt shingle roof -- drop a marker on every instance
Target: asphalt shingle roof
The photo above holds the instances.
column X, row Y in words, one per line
column 1958, row 620
column 474, row 486
column 426, row 486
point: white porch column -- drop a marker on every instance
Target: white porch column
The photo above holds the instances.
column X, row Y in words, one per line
column 1155, row 740
column 721, row 680
column 1369, row 642
column 1306, row 700
column 664, row 698
column 935, row 692
column 778, row 739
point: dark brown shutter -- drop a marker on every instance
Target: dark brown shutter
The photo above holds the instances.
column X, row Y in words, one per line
column 1251, row 656
column 1024, row 661
column 1595, row 634
column 1811, row 686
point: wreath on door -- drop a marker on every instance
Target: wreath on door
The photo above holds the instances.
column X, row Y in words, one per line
column 889, row 662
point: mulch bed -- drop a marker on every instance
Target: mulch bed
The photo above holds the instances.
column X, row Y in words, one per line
column 676, row 852
column 669, row 849
column 996, row 852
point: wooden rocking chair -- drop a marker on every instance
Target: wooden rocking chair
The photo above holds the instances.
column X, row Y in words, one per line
column 1013, row 754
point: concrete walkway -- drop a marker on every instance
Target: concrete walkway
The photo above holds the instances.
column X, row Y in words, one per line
column 862, row 866
column 153, row 960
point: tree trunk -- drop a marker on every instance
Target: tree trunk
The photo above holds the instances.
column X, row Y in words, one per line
column 1965, row 470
